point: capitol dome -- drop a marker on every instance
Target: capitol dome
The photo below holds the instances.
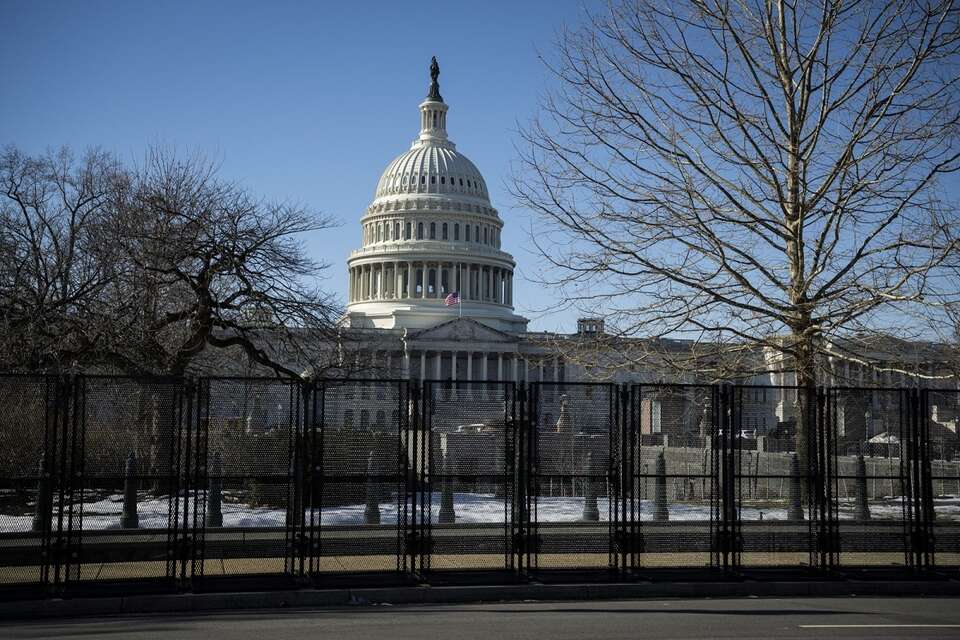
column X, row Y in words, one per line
column 430, row 232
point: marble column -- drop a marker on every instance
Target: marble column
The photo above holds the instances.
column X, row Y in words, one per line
column 499, row 367
column 483, row 366
column 515, row 365
column 423, row 280
column 423, row 365
column 438, row 364
column 453, row 366
column 469, row 366
column 409, row 280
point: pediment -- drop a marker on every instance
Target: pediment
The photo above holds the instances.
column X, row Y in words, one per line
column 464, row 329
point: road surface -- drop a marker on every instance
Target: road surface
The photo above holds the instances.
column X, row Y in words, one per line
column 661, row 619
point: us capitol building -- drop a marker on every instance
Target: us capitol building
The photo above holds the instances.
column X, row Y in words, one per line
column 429, row 232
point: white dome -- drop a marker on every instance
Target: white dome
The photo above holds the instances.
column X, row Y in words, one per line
column 429, row 233
column 432, row 167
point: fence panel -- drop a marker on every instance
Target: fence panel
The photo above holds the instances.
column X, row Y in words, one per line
column 32, row 411
column 119, row 500
column 942, row 415
column 574, row 436
column 871, row 439
column 775, row 480
column 467, row 475
column 358, row 443
column 670, row 499
column 245, row 482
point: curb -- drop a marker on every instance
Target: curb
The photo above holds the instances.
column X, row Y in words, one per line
column 210, row 602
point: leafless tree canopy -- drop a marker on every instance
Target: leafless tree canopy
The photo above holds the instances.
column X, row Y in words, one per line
column 765, row 173
column 152, row 269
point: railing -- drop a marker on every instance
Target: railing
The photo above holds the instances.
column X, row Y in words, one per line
column 171, row 484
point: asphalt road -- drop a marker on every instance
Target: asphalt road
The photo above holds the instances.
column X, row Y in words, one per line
column 660, row 619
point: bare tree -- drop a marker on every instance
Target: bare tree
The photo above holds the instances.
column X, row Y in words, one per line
column 162, row 269
column 212, row 267
column 756, row 176
column 55, row 260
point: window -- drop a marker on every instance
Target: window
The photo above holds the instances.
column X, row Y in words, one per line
column 433, row 230
column 443, row 180
column 406, row 236
column 420, row 231
column 466, row 233
column 396, row 231
column 456, row 232
column 445, row 231
column 485, row 235
column 476, row 236
column 423, row 179
column 433, row 179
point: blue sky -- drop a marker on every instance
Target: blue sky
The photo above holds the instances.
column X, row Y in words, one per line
column 305, row 102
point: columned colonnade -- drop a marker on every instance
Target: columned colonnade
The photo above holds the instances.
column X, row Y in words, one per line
column 431, row 279
column 468, row 365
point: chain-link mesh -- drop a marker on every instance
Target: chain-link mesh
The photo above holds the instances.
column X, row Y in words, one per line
column 868, row 435
column 122, row 494
column 774, row 474
column 572, row 427
column 669, row 497
column 467, row 474
column 248, row 493
column 360, row 444
column 27, row 482
column 943, row 437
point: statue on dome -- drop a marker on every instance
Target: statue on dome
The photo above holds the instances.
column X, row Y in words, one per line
column 434, row 93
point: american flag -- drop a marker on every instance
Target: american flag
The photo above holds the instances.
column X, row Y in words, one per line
column 452, row 298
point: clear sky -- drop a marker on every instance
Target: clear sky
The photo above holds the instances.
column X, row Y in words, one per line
column 300, row 101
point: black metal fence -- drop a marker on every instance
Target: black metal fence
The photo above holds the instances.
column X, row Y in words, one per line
column 110, row 483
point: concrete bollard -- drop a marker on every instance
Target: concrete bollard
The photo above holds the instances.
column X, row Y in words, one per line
column 795, row 508
column 214, row 517
column 590, row 511
column 129, row 518
column 371, row 514
column 661, row 510
column 43, row 516
column 447, row 514
column 862, row 509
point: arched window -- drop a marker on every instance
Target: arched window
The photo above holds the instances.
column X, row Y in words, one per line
column 443, row 180
column 433, row 230
column 433, row 179
column 485, row 236
column 456, row 231
column 466, row 232
column 406, row 235
column 423, row 179
column 445, row 231
column 379, row 231
column 476, row 236
column 420, row 231
column 461, row 182
column 396, row 231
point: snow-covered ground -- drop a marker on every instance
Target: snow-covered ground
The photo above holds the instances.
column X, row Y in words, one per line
column 469, row 508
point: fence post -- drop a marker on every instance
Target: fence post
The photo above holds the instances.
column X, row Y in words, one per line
column 129, row 518
column 214, row 517
column 795, row 509
column 43, row 516
column 371, row 514
column 862, row 509
column 590, row 511
column 447, row 515
column 661, row 512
